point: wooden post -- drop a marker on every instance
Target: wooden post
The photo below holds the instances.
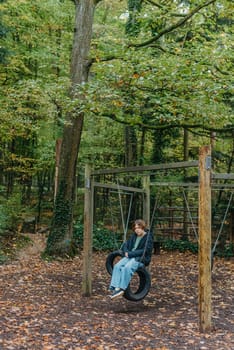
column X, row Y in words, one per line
column 88, row 234
column 204, row 255
column 146, row 204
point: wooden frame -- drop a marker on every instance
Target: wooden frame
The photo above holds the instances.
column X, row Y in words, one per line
column 204, row 259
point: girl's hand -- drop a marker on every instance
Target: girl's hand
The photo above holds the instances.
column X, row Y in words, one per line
column 126, row 254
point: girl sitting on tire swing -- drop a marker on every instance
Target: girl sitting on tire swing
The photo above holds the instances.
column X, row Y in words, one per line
column 137, row 251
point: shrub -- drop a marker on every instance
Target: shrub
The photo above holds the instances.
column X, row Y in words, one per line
column 103, row 239
column 226, row 252
column 180, row 245
column 10, row 210
column 3, row 258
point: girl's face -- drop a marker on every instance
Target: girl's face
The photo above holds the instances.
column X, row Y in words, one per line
column 139, row 230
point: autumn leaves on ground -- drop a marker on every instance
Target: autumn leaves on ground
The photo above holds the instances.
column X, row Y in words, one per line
column 41, row 306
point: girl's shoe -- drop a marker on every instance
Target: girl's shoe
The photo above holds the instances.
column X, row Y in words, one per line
column 117, row 293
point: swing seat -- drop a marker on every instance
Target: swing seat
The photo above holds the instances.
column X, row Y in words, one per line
column 143, row 274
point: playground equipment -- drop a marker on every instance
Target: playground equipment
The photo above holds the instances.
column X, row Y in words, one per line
column 135, row 291
column 204, row 219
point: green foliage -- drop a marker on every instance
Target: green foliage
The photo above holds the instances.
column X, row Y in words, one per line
column 3, row 32
column 10, row 217
column 39, row 44
column 133, row 25
column 183, row 79
column 103, row 239
column 10, row 214
column 3, row 258
column 180, row 245
column 226, row 252
column 185, row 245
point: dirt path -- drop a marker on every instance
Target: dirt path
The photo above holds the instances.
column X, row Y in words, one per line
column 34, row 249
column 41, row 306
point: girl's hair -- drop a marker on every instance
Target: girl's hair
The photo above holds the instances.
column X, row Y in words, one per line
column 140, row 223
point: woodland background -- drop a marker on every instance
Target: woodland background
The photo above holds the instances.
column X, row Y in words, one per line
column 160, row 85
column 152, row 84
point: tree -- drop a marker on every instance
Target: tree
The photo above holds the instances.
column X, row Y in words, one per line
column 182, row 78
column 59, row 242
column 38, row 42
column 3, row 31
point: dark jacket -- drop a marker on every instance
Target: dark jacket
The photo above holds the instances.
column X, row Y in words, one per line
column 143, row 252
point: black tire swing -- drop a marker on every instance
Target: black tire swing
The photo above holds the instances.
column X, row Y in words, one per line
column 144, row 278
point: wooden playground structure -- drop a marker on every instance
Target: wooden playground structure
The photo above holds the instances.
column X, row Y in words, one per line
column 204, row 222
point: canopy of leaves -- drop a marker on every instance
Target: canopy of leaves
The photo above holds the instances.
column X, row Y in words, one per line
column 183, row 79
column 156, row 66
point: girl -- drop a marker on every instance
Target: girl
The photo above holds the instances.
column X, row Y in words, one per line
column 137, row 251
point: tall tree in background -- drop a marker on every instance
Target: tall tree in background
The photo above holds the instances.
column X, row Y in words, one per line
column 60, row 238
column 3, row 31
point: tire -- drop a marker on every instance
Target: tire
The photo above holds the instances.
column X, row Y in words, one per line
column 144, row 286
column 143, row 275
column 110, row 260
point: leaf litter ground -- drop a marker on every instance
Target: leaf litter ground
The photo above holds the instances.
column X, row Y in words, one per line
column 42, row 307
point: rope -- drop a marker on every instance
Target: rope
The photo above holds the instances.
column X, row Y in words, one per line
column 152, row 217
column 112, row 222
column 128, row 217
column 190, row 216
column 121, row 209
column 221, row 226
column 125, row 225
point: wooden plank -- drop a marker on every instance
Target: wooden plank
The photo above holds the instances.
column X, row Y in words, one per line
column 174, row 184
column 88, row 239
column 222, row 186
column 142, row 168
column 204, row 224
column 223, row 176
column 118, row 187
column 190, row 184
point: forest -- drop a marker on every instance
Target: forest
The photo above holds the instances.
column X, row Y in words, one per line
column 114, row 101
column 112, row 84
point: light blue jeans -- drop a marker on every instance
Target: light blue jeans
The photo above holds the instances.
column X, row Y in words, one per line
column 123, row 271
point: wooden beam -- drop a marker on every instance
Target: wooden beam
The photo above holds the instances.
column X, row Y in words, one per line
column 88, row 234
column 165, row 166
column 190, row 184
column 174, row 184
column 118, row 187
column 227, row 176
column 204, row 227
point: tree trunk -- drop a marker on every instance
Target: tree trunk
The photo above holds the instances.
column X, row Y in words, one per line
column 59, row 242
column 130, row 146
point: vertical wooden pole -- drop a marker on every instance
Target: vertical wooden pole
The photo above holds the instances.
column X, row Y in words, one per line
column 146, row 204
column 204, row 255
column 88, row 234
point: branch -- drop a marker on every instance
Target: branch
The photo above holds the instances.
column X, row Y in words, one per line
column 221, row 71
column 168, row 126
column 174, row 26
column 154, row 3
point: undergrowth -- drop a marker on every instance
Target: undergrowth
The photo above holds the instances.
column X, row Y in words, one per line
column 106, row 240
